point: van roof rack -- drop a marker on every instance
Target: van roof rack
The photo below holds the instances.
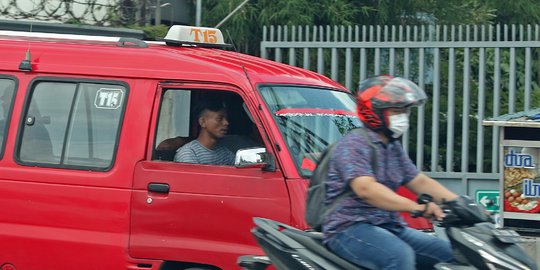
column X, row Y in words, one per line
column 58, row 28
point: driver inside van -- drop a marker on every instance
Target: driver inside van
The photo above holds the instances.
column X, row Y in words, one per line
column 211, row 116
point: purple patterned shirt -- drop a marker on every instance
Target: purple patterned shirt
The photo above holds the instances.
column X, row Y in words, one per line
column 352, row 158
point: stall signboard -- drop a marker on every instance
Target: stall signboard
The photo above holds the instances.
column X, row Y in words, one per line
column 521, row 179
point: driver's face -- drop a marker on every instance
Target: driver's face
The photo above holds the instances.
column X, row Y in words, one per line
column 215, row 123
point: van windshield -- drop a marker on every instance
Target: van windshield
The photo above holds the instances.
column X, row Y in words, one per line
column 309, row 119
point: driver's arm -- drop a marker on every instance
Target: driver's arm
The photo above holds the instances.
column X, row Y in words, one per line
column 378, row 195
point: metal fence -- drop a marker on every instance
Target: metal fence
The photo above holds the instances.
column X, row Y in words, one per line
column 471, row 72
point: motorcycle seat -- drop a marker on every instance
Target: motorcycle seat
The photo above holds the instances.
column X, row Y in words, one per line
column 313, row 242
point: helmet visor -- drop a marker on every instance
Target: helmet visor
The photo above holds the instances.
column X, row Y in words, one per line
column 398, row 93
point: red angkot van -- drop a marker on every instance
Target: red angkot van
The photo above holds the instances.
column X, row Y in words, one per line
column 89, row 126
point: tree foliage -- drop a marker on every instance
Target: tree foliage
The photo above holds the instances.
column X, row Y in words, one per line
column 245, row 27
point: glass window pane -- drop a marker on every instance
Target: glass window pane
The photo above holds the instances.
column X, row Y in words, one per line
column 172, row 118
column 95, row 125
column 174, row 123
column 310, row 119
column 46, row 121
column 7, row 90
column 72, row 124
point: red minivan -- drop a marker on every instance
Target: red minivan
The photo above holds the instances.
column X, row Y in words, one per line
column 89, row 127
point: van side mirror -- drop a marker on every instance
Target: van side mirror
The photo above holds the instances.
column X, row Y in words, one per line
column 256, row 157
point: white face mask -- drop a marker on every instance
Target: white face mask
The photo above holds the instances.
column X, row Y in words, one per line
column 399, row 123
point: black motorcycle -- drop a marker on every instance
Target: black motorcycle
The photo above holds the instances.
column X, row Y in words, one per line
column 476, row 243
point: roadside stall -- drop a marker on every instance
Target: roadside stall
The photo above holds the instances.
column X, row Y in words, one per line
column 519, row 157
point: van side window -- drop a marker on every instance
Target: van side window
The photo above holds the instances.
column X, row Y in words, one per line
column 72, row 125
column 7, row 90
column 179, row 126
column 173, row 129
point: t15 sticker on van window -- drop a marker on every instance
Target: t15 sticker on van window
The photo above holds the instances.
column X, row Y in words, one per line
column 109, row 98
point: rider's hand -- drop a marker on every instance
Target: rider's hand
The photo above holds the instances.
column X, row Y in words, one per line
column 433, row 211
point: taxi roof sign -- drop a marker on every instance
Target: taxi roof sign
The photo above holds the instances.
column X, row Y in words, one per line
column 179, row 35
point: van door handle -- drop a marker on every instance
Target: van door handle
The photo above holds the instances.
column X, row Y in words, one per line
column 158, row 187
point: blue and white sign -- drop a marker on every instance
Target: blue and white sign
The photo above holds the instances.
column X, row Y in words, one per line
column 518, row 160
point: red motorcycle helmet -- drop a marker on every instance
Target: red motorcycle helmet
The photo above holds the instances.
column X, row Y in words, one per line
column 378, row 93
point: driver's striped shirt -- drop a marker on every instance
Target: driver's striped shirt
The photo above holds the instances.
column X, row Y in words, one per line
column 194, row 152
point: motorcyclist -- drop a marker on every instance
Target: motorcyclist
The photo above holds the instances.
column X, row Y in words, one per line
column 366, row 227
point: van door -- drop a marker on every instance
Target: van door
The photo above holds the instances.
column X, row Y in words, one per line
column 65, row 191
column 185, row 212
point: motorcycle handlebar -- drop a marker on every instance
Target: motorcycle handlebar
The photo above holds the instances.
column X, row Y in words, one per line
column 462, row 211
column 422, row 199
